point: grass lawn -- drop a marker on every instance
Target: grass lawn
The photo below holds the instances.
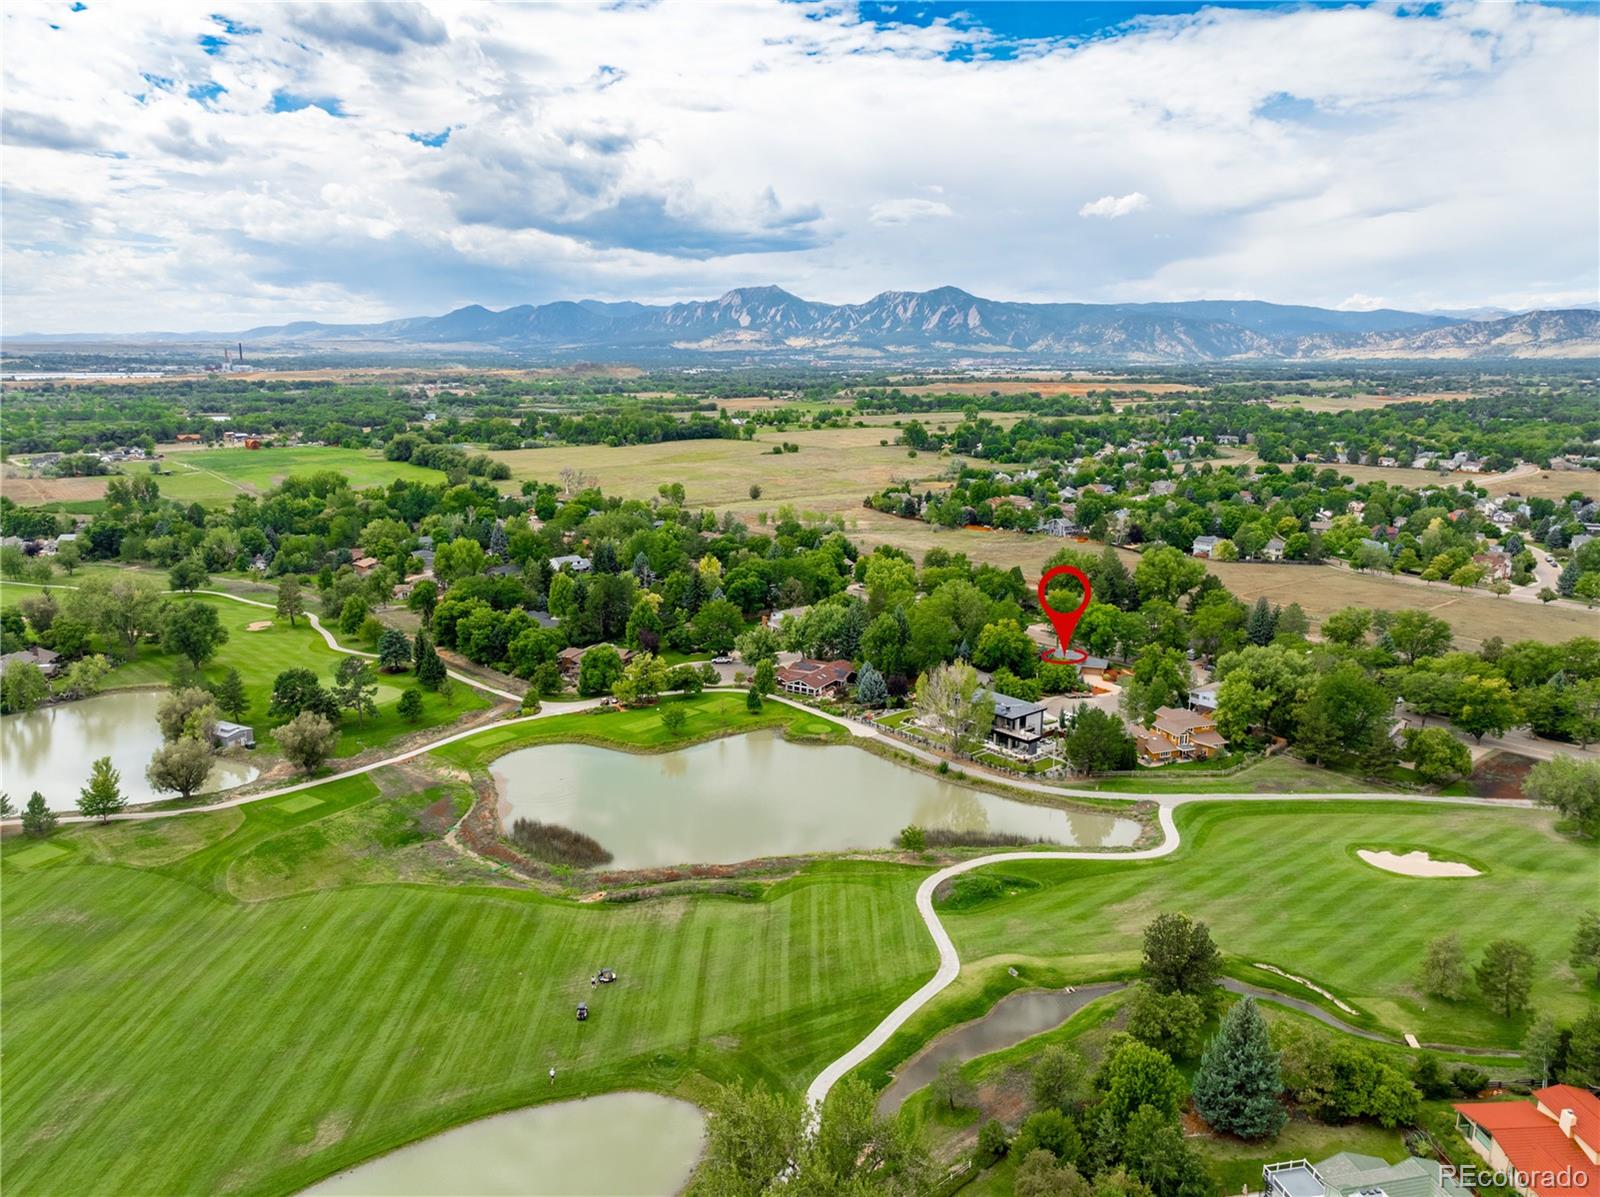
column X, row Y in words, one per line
column 163, row 1036
column 1274, row 775
column 261, row 656
column 1279, row 884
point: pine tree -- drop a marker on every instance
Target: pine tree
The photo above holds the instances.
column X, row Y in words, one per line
column 430, row 670
column 102, row 797
column 231, row 698
column 871, row 691
column 38, row 820
column 1262, row 625
column 1236, row 1089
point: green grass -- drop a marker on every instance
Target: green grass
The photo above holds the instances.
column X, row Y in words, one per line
column 1278, row 883
column 36, row 855
column 296, row 803
column 260, row 656
column 1275, row 775
column 716, row 713
column 215, row 477
column 163, row 1036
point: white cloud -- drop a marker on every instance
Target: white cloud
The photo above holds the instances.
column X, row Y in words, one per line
column 903, row 211
column 660, row 151
column 1110, row 207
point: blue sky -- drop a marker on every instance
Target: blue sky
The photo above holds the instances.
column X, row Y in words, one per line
column 220, row 165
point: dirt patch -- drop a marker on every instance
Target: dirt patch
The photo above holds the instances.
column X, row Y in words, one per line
column 438, row 818
column 259, row 625
column 1500, row 775
column 1416, row 864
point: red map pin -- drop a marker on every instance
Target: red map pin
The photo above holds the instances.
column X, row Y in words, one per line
column 1064, row 622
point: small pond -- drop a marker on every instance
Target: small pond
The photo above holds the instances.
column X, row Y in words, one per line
column 1013, row 1018
column 621, row 1143
column 51, row 749
column 755, row 795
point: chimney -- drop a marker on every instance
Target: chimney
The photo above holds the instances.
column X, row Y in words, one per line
column 1567, row 1121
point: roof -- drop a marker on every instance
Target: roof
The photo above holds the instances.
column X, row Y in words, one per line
column 1581, row 1102
column 224, row 728
column 1411, row 1177
column 1533, row 1143
column 1007, row 707
column 817, row 674
column 1176, row 719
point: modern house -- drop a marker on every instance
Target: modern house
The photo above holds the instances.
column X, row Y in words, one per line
column 817, row 679
column 1203, row 700
column 1551, row 1144
column 1204, row 546
column 44, row 658
column 574, row 561
column 1180, row 735
column 233, row 735
column 1351, row 1175
column 1018, row 726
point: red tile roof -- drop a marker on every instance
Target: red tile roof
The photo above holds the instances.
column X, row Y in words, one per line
column 818, row 675
column 1534, row 1144
column 1581, row 1102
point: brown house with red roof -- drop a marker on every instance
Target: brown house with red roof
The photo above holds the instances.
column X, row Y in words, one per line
column 1550, row 1145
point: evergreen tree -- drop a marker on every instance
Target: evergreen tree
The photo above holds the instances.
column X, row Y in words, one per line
column 1236, row 1089
column 1567, row 580
column 230, row 696
column 290, row 602
column 497, row 541
column 394, row 651
column 1262, row 624
column 430, row 669
column 38, row 820
column 410, row 706
column 102, row 797
column 752, row 700
column 871, row 690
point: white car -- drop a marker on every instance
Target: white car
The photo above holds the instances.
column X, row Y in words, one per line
column 722, row 660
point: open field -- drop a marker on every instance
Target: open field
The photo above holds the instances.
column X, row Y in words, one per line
column 834, row 470
column 1280, row 884
column 1045, row 386
column 1364, row 402
column 1547, row 484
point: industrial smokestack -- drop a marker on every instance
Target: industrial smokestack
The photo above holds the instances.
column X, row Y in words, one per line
column 240, row 358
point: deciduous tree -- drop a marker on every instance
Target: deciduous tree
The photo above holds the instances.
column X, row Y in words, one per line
column 181, row 766
column 307, row 740
column 103, row 796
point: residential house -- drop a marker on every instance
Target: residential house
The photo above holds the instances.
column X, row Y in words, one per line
column 44, row 658
column 816, row 679
column 1018, row 726
column 570, row 659
column 575, row 562
column 1351, row 1175
column 1273, row 549
column 1179, row 735
column 1204, row 545
column 233, row 735
column 1551, row 1145
column 365, row 565
column 1389, row 462
column 1093, row 668
column 1060, row 526
column 1163, row 486
column 778, row 619
column 1203, row 700
column 1496, row 566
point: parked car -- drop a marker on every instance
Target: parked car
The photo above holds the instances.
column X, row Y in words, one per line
column 722, row 660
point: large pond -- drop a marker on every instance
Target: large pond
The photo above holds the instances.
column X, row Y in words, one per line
column 622, row 1143
column 755, row 795
column 51, row 749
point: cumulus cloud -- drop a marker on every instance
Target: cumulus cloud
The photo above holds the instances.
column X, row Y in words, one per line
column 194, row 168
column 904, row 211
column 1110, row 207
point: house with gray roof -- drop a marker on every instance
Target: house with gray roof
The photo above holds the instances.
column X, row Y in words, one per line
column 1349, row 1174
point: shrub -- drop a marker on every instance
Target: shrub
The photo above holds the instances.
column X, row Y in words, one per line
column 913, row 839
column 558, row 845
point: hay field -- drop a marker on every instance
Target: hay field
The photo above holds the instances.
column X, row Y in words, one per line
column 1367, row 402
column 1044, row 386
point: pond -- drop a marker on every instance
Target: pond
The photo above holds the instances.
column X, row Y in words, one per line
column 621, row 1143
column 1013, row 1018
column 51, row 749
column 755, row 795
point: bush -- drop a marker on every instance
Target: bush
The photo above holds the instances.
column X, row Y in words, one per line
column 1469, row 1081
column 555, row 844
column 949, row 837
column 913, row 839
column 974, row 889
column 992, row 1143
column 673, row 717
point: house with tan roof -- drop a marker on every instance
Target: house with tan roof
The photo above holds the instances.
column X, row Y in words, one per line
column 1179, row 735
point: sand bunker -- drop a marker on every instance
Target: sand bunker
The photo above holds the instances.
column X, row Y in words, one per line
column 260, row 625
column 1416, row 864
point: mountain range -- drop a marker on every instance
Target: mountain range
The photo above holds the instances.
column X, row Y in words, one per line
column 945, row 323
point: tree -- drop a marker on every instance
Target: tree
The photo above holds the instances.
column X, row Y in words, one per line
column 1585, row 957
column 22, row 688
column 951, row 705
column 871, row 689
column 193, row 630
column 355, row 688
column 1004, row 645
column 394, row 651
column 297, row 690
column 190, row 712
column 103, row 796
column 7, row 810
column 1098, row 742
column 410, row 705
column 599, row 670
column 1571, row 786
column 951, row 1087
column 1262, row 687
column 463, row 557
column 181, row 766
column 1137, row 1075
column 1347, row 626
column 758, row 643
column 1179, row 956
column 1263, row 622
column 913, row 838
column 38, row 820
column 1444, row 968
column 291, row 602
column 1417, row 634
column 1236, row 1088
column 1165, row 573
column 1485, row 705
column 642, row 680
column 1059, row 1079
column 1039, row 1175
column 430, row 669
column 673, row 717
column 307, row 740
column 231, row 698
column 752, row 701
column 1172, row 1023
column 1439, row 757
column 1155, row 1151
column 717, row 625
column 1347, row 713
column 1582, row 1066
column 1505, row 975
column 190, row 574
column 765, row 679
column 1542, row 1048
column 752, row 1137
column 1160, row 679
column 424, row 597
column 68, row 556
